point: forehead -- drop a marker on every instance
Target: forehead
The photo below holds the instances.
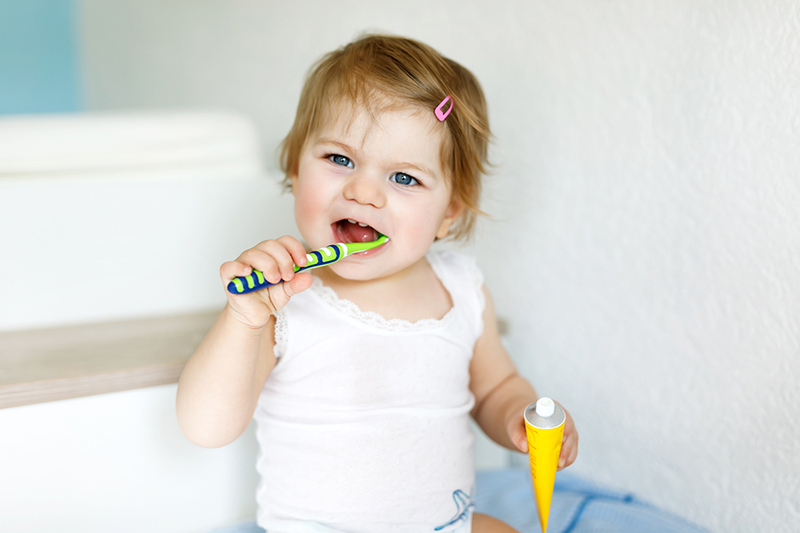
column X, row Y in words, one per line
column 396, row 130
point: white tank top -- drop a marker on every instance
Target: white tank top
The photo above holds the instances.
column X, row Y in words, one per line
column 363, row 424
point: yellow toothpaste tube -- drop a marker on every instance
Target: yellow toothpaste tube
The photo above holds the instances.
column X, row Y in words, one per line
column 544, row 425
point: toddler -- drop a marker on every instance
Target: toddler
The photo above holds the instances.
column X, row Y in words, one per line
column 363, row 376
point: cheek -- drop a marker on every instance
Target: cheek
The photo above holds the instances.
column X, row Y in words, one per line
column 423, row 221
column 300, row 212
column 305, row 204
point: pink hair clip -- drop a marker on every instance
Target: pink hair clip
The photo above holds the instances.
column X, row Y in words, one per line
column 441, row 115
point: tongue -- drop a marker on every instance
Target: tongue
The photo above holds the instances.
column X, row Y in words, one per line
column 355, row 233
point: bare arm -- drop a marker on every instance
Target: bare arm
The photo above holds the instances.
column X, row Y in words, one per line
column 220, row 385
column 501, row 394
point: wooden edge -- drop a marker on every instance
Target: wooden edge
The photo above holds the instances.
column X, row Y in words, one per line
column 19, row 394
column 47, row 390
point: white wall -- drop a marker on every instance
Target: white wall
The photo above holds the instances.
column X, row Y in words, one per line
column 645, row 245
column 122, row 215
column 109, row 216
column 118, row 462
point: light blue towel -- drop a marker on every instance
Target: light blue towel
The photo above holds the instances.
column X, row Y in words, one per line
column 578, row 506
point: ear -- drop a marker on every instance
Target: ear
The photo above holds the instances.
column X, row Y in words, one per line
column 294, row 182
column 451, row 216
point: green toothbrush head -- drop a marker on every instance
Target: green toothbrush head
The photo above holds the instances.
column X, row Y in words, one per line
column 355, row 247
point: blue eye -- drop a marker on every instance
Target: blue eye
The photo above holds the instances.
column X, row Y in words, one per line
column 341, row 160
column 403, row 179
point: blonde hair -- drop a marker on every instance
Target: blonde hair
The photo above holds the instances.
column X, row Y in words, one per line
column 387, row 71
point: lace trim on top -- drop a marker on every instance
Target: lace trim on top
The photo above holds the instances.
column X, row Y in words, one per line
column 370, row 318
column 376, row 321
column 281, row 333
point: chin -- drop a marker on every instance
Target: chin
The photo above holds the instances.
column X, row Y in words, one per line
column 352, row 272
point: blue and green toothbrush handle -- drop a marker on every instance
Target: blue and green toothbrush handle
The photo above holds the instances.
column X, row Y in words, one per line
column 316, row 259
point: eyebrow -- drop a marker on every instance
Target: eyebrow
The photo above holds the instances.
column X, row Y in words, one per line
column 399, row 164
column 343, row 146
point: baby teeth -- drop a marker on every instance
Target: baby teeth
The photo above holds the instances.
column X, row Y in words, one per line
column 350, row 220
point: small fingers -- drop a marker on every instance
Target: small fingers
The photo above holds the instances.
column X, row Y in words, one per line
column 299, row 283
column 517, row 434
column 277, row 296
column 233, row 269
column 295, row 248
column 272, row 259
column 275, row 258
column 569, row 449
column 573, row 454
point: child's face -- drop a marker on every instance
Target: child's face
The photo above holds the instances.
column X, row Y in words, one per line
column 385, row 174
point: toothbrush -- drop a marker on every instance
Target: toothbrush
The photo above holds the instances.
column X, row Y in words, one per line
column 316, row 259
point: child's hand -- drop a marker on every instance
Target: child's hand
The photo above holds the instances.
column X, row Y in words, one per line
column 569, row 443
column 276, row 260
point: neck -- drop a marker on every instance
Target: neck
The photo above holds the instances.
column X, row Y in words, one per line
column 413, row 294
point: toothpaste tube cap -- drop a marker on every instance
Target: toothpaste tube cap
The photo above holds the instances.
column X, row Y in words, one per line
column 545, row 407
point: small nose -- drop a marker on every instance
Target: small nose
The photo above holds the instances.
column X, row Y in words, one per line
column 364, row 189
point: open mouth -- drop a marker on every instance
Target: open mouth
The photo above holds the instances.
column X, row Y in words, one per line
column 349, row 230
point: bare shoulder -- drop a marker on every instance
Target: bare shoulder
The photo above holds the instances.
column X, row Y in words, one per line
column 491, row 363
